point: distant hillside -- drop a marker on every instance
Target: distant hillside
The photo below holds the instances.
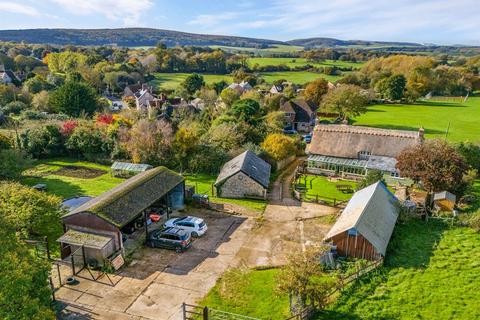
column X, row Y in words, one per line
column 129, row 37
column 330, row 42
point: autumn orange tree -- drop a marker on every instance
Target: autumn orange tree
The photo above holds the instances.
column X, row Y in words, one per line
column 315, row 90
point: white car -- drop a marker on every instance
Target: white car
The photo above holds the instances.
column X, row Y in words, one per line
column 196, row 226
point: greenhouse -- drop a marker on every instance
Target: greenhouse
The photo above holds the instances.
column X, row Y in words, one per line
column 125, row 169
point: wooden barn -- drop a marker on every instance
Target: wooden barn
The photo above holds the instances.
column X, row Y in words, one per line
column 98, row 224
column 365, row 226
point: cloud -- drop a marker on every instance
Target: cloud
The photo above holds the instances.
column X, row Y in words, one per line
column 17, row 8
column 128, row 11
column 213, row 20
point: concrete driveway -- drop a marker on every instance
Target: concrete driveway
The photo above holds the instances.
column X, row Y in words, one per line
column 157, row 281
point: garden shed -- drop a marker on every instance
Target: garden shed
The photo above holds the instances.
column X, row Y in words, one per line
column 126, row 169
column 365, row 226
column 107, row 215
column 444, row 201
column 245, row 176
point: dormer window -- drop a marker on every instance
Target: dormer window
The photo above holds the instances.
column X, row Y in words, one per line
column 364, row 155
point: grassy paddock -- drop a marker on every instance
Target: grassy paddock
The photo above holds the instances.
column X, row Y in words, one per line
column 298, row 77
column 464, row 118
column 431, row 272
column 281, row 48
column 299, row 62
column 251, row 293
column 170, row 81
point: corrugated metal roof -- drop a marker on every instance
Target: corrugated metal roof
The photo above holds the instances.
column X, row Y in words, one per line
column 373, row 213
column 134, row 167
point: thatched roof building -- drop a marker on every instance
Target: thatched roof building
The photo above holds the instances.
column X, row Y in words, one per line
column 365, row 149
column 365, row 226
column 347, row 141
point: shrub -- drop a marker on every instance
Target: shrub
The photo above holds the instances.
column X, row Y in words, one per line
column 14, row 107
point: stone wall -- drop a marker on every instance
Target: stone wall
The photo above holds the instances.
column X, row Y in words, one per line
column 239, row 186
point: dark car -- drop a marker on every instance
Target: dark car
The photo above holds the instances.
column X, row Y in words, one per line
column 170, row 238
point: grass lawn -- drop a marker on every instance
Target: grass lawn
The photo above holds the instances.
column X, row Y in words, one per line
column 250, row 293
column 170, row 81
column 298, row 62
column 431, row 272
column 203, row 185
column 298, row 77
column 46, row 171
column 464, row 118
column 281, row 48
column 325, row 189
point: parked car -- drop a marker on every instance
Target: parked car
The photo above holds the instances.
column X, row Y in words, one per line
column 170, row 238
column 307, row 138
column 289, row 131
column 196, row 226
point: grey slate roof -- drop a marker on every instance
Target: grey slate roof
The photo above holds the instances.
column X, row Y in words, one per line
column 248, row 163
column 382, row 163
column 122, row 204
column 373, row 213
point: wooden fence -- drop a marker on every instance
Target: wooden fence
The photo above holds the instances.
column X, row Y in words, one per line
column 344, row 281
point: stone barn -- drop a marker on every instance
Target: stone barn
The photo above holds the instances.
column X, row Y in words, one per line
column 365, row 226
column 245, row 176
column 98, row 224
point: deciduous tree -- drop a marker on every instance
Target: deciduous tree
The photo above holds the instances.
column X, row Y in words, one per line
column 347, row 100
column 436, row 164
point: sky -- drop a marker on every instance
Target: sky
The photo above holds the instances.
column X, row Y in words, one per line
column 423, row 21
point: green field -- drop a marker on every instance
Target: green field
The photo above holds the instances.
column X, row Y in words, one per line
column 434, row 117
column 46, row 171
column 170, row 81
column 251, row 293
column 203, row 185
column 431, row 272
column 299, row 62
column 298, row 77
column 281, row 48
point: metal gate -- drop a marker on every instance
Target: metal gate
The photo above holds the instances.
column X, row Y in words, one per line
column 193, row 312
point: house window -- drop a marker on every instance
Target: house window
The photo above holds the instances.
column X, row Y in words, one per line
column 364, row 155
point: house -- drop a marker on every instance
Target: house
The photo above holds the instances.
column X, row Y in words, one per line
column 365, row 226
column 300, row 114
column 331, row 86
column 444, row 201
column 241, row 87
column 351, row 151
column 244, row 176
column 276, row 89
column 7, row 76
column 130, row 90
column 198, row 103
column 98, row 224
